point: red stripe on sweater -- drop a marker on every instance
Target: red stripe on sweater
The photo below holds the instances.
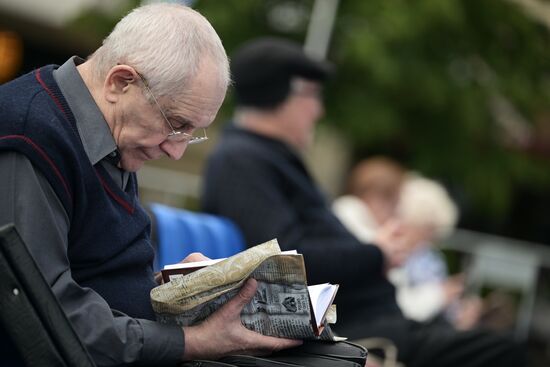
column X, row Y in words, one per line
column 117, row 198
column 129, row 208
column 50, row 93
column 44, row 155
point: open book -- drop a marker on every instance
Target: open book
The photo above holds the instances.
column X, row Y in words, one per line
column 283, row 305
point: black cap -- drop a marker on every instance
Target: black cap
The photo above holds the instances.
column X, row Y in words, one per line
column 262, row 70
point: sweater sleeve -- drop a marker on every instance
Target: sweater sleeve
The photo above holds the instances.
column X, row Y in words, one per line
column 112, row 338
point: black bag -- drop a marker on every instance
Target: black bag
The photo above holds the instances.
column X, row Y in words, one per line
column 251, row 361
column 204, row 363
column 343, row 350
column 309, row 354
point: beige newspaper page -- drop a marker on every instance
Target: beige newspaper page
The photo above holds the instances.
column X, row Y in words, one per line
column 280, row 307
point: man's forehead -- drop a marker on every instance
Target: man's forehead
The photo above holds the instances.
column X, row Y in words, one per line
column 196, row 109
column 303, row 82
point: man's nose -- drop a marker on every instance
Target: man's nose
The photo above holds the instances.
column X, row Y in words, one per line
column 173, row 149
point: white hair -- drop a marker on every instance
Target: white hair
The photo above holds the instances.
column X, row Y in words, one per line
column 426, row 202
column 166, row 43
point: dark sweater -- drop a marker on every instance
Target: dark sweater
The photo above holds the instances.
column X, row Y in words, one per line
column 263, row 186
column 109, row 248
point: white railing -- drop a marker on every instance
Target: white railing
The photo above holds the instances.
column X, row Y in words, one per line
column 503, row 262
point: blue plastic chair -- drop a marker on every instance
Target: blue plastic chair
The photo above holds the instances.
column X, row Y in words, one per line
column 180, row 232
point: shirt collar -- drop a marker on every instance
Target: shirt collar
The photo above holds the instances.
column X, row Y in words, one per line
column 93, row 130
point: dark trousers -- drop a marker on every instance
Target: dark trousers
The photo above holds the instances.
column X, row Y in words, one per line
column 438, row 344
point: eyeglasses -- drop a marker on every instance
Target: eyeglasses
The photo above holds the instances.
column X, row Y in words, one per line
column 176, row 134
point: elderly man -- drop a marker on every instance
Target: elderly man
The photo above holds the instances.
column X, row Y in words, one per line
column 71, row 138
column 256, row 176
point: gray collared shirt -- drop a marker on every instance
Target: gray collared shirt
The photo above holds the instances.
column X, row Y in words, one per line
column 29, row 201
column 94, row 131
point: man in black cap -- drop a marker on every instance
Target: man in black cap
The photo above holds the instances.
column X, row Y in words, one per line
column 257, row 178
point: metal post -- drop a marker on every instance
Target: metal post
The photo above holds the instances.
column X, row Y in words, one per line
column 320, row 28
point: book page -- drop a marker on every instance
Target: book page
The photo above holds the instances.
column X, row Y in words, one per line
column 322, row 296
column 177, row 271
column 191, row 264
column 203, row 263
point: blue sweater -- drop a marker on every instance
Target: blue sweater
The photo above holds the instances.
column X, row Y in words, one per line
column 109, row 247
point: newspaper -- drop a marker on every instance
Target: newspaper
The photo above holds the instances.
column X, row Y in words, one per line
column 281, row 306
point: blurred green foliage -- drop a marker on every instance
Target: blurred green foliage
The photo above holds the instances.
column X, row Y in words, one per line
column 423, row 76
column 97, row 22
column 418, row 80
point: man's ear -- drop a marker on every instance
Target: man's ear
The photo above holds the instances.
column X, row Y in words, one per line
column 118, row 81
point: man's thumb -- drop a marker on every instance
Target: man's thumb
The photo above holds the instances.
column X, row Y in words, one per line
column 247, row 291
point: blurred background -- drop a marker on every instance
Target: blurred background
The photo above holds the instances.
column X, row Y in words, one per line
column 458, row 90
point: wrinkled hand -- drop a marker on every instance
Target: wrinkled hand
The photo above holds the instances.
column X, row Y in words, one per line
column 223, row 334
